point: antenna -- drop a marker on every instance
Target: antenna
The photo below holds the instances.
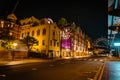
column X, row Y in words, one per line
column 15, row 6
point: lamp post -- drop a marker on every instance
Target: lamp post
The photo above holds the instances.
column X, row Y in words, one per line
column 14, row 45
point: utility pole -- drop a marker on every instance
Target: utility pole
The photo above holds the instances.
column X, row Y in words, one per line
column 15, row 6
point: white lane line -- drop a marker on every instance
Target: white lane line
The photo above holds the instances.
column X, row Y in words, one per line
column 34, row 68
column 3, row 75
column 95, row 59
column 101, row 60
column 89, row 79
column 51, row 65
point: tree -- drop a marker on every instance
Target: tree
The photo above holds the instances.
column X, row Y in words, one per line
column 62, row 22
column 29, row 42
column 7, row 41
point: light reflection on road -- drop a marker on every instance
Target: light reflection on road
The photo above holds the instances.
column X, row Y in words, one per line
column 114, row 70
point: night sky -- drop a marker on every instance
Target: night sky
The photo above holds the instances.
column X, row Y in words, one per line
column 91, row 16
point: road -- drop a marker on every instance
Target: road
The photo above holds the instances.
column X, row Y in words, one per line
column 67, row 69
column 112, row 70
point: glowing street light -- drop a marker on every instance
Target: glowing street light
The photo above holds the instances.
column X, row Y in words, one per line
column 116, row 44
column 14, row 44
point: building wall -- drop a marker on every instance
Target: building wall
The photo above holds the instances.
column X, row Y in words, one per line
column 78, row 43
column 49, row 42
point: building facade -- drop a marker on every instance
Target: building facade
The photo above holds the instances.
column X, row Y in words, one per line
column 46, row 32
column 73, row 42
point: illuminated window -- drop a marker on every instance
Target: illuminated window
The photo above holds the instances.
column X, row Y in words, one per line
column 2, row 24
column 32, row 33
column 38, row 32
column 44, row 32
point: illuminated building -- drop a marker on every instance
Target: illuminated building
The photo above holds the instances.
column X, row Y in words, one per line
column 113, row 24
column 45, row 31
column 73, row 42
column 9, row 26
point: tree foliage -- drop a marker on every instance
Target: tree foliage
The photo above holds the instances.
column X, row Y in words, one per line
column 62, row 22
column 29, row 42
column 7, row 41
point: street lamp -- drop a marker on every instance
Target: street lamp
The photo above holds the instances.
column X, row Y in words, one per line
column 14, row 45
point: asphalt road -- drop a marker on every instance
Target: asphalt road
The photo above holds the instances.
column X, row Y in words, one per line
column 112, row 70
column 69, row 69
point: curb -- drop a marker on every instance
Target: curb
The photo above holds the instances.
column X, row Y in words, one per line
column 10, row 63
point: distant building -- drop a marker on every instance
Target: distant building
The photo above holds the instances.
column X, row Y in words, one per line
column 73, row 41
column 9, row 26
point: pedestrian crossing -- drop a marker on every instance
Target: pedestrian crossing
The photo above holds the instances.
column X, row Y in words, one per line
column 89, row 59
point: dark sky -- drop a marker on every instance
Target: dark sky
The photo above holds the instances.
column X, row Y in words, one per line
column 91, row 16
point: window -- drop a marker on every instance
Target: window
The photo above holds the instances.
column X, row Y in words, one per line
column 54, row 43
column 50, row 42
column 22, row 35
column 44, row 32
column 43, row 42
column 29, row 22
column 32, row 33
column 38, row 32
column 54, row 27
column 24, row 23
column 57, row 44
column 28, row 33
column 53, row 33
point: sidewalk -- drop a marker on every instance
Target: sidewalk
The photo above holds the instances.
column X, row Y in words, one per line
column 22, row 61
column 114, row 58
column 32, row 60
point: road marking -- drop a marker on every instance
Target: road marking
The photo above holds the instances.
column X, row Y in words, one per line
column 3, row 75
column 89, row 79
column 95, row 59
column 34, row 68
column 51, row 65
column 101, row 60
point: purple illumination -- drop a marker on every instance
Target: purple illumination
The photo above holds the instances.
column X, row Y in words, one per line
column 66, row 43
column 66, row 38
